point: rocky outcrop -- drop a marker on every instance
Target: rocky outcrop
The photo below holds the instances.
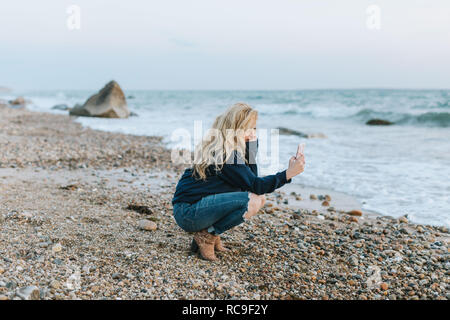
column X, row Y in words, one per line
column 316, row 135
column 290, row 132
column 63, row 107
column 19, row 101
column 379, row 122
column 109, row 102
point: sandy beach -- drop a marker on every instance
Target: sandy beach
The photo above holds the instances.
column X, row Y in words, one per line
column 72, row 200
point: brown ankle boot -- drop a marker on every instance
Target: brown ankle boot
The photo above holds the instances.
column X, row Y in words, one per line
column 205, row 242
column 218, row 245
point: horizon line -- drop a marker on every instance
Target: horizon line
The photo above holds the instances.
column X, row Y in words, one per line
column 296, row 89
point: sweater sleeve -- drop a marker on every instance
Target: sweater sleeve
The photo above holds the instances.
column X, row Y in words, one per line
column 242, row 176
column 254, row 168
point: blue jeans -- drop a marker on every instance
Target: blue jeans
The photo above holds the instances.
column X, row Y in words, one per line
column 217, row 213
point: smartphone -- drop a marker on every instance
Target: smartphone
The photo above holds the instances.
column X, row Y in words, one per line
column 300, row 149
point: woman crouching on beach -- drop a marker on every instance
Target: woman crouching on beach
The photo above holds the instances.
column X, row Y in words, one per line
column 222, row 189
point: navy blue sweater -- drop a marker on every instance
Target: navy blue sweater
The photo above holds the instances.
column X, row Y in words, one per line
column 233, row 177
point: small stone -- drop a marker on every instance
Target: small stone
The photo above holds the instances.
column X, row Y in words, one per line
column 55, row 284
column 353, row 260
column 95, row 289
column 57, row 248
column 147, row 225
column 404, row 231
column 313, row 197
column 28, row 293
column 353, row 219
column 116, row 275
column 355, row 213
column 43, row 244
column 2, row 298
column 269, row 210
column 384, row 286
column 11, row 285
column 403, row 219
column 325, row 203
column 327, row 197
column 26, row 215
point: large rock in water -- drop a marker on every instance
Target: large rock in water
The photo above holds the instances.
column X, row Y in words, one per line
column 110, row 102
column 290, row 132
column 62, row 107
column 378, row 122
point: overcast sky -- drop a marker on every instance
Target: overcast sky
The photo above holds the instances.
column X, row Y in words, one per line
column 208, row 44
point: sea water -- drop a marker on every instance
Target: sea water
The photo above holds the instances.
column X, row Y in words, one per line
column 393, row 170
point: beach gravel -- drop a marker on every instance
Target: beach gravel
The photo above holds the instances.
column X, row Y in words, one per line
column 73, row 201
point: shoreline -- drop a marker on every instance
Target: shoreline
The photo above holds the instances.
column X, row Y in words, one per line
column 382, row 208
column 65, row 190
column 341, row 196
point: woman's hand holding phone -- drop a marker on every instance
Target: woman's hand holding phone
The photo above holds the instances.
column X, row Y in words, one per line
column 300, row 150
column 297, row 163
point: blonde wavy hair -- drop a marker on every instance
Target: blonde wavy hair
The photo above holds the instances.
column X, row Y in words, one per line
column 226, row 135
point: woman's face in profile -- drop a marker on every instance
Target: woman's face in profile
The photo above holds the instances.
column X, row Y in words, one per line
column 250, row 134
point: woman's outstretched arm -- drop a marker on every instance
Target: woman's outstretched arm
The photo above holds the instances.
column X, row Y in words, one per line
column 243, row 177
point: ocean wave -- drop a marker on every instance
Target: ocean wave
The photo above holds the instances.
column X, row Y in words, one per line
column 445, row 104
column 366, row 114
column 440, row 119
column 435, row 119
column 290, row 112
column 259, row 97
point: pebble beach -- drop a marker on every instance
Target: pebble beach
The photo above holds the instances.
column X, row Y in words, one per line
column 87, row 214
